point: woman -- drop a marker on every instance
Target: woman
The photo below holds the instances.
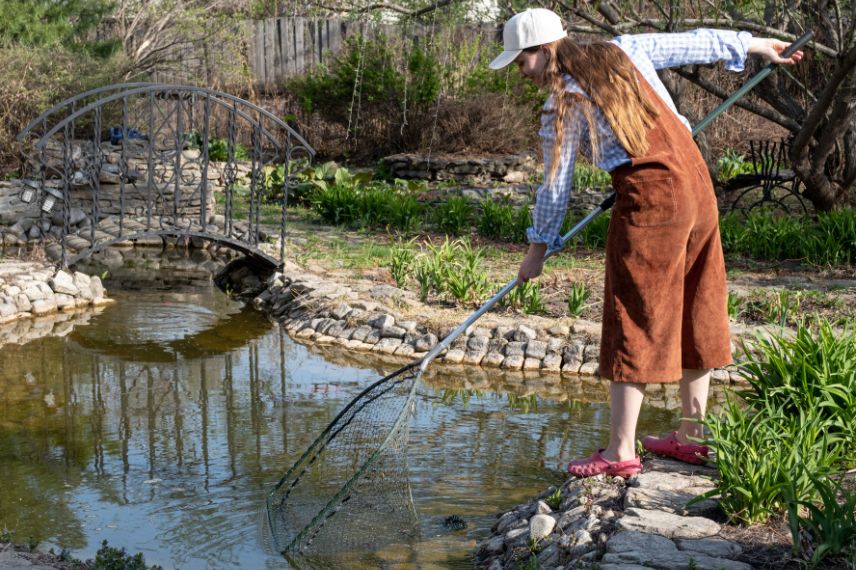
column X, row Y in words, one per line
column 664, row 313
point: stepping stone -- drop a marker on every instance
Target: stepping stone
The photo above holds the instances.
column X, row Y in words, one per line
column 667, row 524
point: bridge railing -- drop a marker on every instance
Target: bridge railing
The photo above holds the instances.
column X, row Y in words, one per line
column 143, row 161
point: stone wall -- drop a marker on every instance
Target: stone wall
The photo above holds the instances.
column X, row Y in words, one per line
column 35, row 289
column 318, row 311
column 513, row 169
column 25, row 222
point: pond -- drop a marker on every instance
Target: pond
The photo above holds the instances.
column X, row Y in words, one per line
column 160, row 425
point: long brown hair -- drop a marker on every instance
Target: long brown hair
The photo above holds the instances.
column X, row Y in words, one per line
column 609, row 78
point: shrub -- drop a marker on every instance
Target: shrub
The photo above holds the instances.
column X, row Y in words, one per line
column 31, row 79
column 386, row 95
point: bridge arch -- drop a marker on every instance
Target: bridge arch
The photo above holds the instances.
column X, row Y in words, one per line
column 136, row 161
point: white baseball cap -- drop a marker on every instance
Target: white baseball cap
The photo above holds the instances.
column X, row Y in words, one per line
column 534, row 27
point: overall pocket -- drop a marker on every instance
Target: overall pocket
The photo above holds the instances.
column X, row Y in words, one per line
column 647, row 201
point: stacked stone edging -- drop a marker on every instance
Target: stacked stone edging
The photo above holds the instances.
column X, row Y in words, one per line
column 607, row 523
column 29, row 289
column 315, row 310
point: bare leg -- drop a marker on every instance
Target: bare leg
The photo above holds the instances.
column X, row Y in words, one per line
column 695, row 385
column 625, row 403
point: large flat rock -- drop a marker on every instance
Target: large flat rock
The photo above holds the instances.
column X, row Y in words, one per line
column 667, row 524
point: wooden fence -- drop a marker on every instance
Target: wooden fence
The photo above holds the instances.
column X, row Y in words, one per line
column 278, row 48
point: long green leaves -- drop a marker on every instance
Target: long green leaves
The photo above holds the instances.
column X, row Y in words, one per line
column 796, row 422
column 829, row 240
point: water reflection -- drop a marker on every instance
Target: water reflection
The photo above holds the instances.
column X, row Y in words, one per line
column 161, row 424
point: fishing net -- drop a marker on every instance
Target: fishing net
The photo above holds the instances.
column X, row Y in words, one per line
column 356, row 470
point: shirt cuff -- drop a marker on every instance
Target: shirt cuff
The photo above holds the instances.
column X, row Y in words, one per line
column 553, row 242
column 738, row 62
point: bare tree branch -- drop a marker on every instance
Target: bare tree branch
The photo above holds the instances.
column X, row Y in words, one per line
column 385, row 6
column 768, row 114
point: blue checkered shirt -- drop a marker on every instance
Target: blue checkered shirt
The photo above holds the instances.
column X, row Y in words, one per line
column 648, row 52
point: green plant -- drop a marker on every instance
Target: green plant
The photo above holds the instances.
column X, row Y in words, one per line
column 815, row 369
column 500, row 220
column 424, row 272
column 734, row 304
column 401, row 261
column 730, row 164
column 758, row 455
column 554, row 500
column 831, row 522
column 577, row 298
column 796, row 422
column 526, row 297
column 594, row 234
column 111, row 558
column 590, row 176
column 454, row 215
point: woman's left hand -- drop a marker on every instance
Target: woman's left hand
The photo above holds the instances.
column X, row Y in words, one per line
column 770, row 49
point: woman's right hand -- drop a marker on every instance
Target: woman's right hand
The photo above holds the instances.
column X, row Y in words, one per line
column 533, row 263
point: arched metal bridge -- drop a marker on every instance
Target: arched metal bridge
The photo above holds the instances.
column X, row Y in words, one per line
column 133, row 162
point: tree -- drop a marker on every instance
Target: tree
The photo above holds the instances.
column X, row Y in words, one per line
column 815, row 103
column 49, row 22
column 157, row 34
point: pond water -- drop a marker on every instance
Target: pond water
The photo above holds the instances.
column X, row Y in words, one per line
column 160, row 425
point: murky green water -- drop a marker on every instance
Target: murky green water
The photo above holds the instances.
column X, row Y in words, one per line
column 161, row 424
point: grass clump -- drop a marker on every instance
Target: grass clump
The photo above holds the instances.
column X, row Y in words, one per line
column 780, row 449
column 829, row 240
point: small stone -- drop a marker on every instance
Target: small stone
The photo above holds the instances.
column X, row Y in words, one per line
column 425, row 342
column 473, row 357
column 542, row 508
column 589, row 369
column 341, row 311
column 541, row 526
column 381, row 321
column 393, row 332
column 387, row 345
column 478, row 343
column 454, row 356
column 515, row 533
column 492, row 360
column 524, row 334
column 361, row 332
column 513, row 362
column 715, row 547
column 97, row 287
column 43, row 306
column 373, row 337
column 559, row 330
column 552, row 363
column 531, row 364
column 63, row 283
column 515, row 349
column 536, row 349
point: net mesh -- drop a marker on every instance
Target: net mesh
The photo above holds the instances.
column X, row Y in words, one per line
column 349, row 492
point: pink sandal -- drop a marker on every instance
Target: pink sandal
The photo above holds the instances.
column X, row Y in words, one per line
column 671, row 447
column 596, row 464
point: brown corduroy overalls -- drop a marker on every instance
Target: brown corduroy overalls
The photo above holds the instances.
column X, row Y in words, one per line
column 665, row 300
